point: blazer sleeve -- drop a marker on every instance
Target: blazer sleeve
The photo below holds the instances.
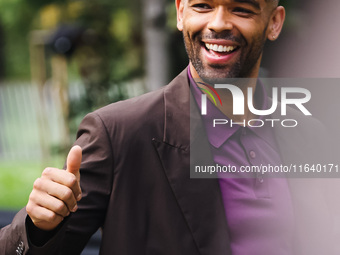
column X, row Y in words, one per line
column 13, row 238
column 96, row 176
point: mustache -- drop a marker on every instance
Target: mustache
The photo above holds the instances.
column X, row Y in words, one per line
column 225, row 35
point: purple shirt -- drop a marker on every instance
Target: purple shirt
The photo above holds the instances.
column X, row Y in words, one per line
column 258, row 210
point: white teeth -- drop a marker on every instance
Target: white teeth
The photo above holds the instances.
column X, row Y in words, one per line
column 220, row 48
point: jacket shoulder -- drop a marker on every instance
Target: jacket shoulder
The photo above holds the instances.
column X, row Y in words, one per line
column 134, row 108
column 146, row 110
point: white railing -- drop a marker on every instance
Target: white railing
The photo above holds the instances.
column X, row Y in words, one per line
column 31, row 121
column 22, row 115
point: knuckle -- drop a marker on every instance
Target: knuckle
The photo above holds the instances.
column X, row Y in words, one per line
column 51, row 216
column 31, row 197
column 72, row 181
column 29, row 208
column 47, row 171
column 60, row 207
column 67, row 194
column 32, row 211
column 37, row 184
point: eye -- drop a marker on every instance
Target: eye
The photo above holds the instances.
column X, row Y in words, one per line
column 201, row 7
column 243, row 11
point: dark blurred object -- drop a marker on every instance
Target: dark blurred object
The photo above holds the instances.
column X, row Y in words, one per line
column 177, row 55
column 65, row 39
column 6, row 217
column 40, row 3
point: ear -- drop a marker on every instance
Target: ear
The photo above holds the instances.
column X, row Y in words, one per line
column 276, row 23
column 179, row 8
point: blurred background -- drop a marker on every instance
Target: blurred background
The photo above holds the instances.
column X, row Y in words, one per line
column 62, row 59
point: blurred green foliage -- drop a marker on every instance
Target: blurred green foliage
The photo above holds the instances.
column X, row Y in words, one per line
column 109, row 52
column 16, row 178
column 14, row 15
column 117, row 26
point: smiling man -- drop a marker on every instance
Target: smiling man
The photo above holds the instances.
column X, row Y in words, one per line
column 130, row 173
column 225, row 39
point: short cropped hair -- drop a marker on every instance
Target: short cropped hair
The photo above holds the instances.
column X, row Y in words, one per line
column 274, row 2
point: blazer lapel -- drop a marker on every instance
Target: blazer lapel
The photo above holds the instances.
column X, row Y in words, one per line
column 199, row 199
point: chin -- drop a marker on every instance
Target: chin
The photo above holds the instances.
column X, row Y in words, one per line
column 218, row 73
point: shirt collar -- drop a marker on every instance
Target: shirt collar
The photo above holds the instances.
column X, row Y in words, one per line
column 218, row 135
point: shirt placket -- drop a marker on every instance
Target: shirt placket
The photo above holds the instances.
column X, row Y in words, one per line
column 252, row 151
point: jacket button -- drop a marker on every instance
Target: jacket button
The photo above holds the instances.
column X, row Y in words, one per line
column 20, row 248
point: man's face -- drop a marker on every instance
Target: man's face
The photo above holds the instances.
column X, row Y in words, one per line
column 225, row 38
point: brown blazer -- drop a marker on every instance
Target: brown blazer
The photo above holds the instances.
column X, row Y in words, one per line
column 137, row 187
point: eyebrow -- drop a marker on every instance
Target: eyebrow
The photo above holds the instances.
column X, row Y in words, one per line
column 254, row 3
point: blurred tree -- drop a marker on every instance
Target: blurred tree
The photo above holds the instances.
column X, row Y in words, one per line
column 16, row 19
column 109, row 52
column 177, row 55
column 103, row 37
column 156, row 38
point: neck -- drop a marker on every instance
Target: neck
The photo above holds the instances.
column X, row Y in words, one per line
column 227, row 98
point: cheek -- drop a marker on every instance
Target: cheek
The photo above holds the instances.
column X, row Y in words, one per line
column 252, row 33
column 193, row 25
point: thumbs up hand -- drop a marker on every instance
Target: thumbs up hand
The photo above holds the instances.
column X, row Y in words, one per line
column 73, row 165
column 55, row 193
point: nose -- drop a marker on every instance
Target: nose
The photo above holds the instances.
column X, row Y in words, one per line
column 220, row 20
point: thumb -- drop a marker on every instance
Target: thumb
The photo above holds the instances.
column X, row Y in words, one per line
column 74, row 160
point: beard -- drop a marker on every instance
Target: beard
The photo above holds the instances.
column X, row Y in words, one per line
column 241, row 68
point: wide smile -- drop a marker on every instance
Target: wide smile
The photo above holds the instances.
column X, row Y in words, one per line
column 220, row 48
column 219, row 53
